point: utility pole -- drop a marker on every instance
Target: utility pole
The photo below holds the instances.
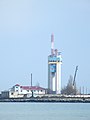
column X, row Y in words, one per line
column 31, row 79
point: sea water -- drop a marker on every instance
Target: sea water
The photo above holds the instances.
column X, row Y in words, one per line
column 44, row 111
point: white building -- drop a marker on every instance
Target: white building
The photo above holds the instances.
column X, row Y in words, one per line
column 54, row 70
column 18, row 91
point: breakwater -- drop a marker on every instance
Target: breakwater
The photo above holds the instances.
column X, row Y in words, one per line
column 48, row 99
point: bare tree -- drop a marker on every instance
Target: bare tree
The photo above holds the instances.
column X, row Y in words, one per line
column 70, row 89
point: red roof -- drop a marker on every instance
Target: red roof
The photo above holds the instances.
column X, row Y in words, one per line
column 17, row 85
column 32, row 88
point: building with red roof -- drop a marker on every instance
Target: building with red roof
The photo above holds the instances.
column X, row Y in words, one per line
column 18, row 91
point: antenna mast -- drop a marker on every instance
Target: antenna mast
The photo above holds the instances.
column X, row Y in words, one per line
column 52, row 44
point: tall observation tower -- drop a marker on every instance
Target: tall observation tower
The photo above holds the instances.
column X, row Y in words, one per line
column 54, row 70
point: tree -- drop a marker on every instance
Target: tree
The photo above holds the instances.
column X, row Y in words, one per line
column 70, row 89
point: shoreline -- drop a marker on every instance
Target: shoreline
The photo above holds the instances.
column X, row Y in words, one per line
column 53, row 100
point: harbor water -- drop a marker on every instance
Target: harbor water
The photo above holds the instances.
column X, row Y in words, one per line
column 44, row 111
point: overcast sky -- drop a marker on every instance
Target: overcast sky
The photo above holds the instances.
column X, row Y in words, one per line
column 25, row 40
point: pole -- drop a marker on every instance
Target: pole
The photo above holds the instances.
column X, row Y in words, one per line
column 31, row 79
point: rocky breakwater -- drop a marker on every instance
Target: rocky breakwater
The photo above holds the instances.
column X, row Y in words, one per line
column 50, row 98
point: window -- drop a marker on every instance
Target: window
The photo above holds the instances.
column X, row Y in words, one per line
column 11, row 93
column 16, row 86
column 27, row 90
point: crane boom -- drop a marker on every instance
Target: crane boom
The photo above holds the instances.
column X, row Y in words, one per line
column 75, row 75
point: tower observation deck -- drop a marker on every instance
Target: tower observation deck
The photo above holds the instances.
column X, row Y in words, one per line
column 54, row 70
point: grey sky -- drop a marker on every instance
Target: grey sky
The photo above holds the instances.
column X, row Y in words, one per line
column 25, row 31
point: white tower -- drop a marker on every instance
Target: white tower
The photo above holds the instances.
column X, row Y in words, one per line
column 54, row 70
